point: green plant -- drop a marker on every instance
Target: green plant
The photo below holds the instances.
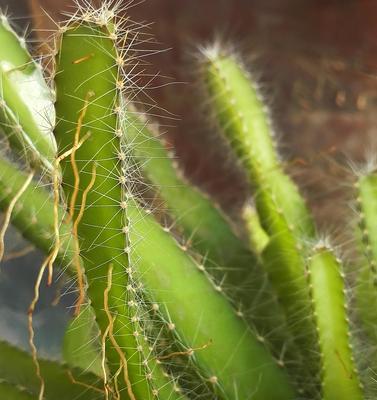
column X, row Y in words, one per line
column 264, row 317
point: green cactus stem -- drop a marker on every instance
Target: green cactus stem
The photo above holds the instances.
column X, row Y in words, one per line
column 87, row 104
column 227, row 258
column 111, row 224
column 26, row 102
column 13, row 392
column 340, row 379
column 61, row 382
column 258, row 237
column 159, row 259
column 367, row 280
column 35, row 219
column 202, row 222
column 200, row 315
column 240, row 112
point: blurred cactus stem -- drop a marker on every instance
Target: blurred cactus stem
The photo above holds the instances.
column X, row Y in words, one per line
column 26, row 102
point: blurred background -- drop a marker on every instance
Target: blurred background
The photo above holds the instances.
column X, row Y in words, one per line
column 316, row 61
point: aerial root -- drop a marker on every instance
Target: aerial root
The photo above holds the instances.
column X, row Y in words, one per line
column 103, row 363
column 188, row 352
column 19, row 253
column 31, row 329
column 56, row 185
column 111, row 335
column 75, row 170
column 116, row 387
column 76, row 258
column 76, row 382
column 8, row 212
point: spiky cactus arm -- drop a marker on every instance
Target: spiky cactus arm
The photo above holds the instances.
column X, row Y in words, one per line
column 339, row 376
column 228, row 261
column 244, row 119
column 33, row 216
column 26, row 103
column 240, row 112
column 33, row 213
column 367, row 281
column 87, row 81
column 17, row 370
column 200, row 316
column 202, row 222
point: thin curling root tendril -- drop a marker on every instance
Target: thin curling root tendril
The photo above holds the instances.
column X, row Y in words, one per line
column 75, row 170
column 32, row 306
column 76, row 258
column 8, row 212
column 111, row 336
column 56, row 187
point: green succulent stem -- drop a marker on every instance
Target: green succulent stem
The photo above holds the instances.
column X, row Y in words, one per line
column 87, row 105
column 226, row 257
column 26, row 103
column 239, row 110
column 339, row 376
column 367, row 280
column 61, row 382
column 33, row 213
column 258, row 237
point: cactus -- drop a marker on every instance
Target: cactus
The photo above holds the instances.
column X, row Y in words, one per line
column 366, row 186
column 339, row 374
column 17, row 375
column 228, row 261
column 264, row 316
column 240, row 112
column 26, row 103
